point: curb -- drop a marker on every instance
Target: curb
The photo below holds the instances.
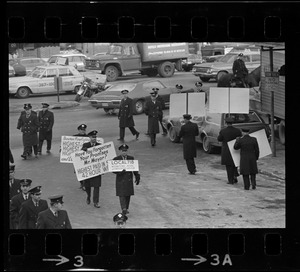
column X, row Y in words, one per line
column 271, row 174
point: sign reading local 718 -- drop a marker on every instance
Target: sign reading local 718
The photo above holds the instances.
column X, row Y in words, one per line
column 272, row 81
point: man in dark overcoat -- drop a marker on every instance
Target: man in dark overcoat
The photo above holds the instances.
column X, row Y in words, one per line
column 14, row 184
column 124, row 180
column 54, row 217
column 153, row 109
column 31, row 208
column 125, row 116
column 239, row 69
column 29, row 124
column 46, row 120
column 16, row 201
column 249, row 156
column 226, row 135
column 94, row 182
column 188, row 132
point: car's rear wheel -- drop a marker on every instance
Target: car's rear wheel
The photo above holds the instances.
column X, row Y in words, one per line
column 139, row 107
column 173, row 135
column 204, row 79
column 23, row 92
column 207, row 147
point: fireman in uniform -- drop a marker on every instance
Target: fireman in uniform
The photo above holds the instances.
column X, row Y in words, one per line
column 29, row 124
column 46, row 120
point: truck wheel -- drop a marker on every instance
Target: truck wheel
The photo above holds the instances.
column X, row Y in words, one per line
column 112, row 73
column 139, row 107
column 220, row 74
column 207, row 147
column 173, row 135
column 204, row 79
column 23, row 92
column 150, row 72
column 166, row 69
column 281, row 131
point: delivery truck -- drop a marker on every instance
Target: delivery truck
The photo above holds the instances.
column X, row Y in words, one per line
column 144, row 58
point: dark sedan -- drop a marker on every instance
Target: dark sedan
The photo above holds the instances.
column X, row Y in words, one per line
column 210, row 125
column 139, row 92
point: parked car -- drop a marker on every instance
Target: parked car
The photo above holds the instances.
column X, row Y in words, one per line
column 210, row 125
column 11, row 71
column 73, row 59
column 23, row 66
column 187, row 64
column 215, row 70
column 41, row 80
column 110, row 99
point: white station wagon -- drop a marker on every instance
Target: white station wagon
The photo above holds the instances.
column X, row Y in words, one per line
column 41, row 81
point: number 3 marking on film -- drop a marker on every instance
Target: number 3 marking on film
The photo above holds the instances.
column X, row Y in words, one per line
column 80, row 261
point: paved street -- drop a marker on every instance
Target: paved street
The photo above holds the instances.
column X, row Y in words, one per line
column 167, row 196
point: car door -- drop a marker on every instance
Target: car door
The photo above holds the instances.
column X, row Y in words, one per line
column 131, row 59
column 69, row 79
column 47, row 81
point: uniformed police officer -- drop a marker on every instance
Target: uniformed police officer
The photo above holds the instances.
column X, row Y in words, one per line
column 120, row 220
column 14, row 184
column 54, row 217
column 29, row 124
column 31, row 208
column 17, row 200
column 46, row 120
column 125, row 116
column 124, row 180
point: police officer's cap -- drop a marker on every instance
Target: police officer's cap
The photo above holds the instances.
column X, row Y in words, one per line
column 198, row 84
column 12, row 168
column 56, row 199
column 45, row 105
column 245, row 129
column 240, row 55
column 26, row 182
column 187, row 116
column 82, row 127
column 93, row 133
column 120, row 217
column 123, row 147
column 35, row 190
column 27, row 106
column 178, row 86
column 124, row 91
column 229, row 120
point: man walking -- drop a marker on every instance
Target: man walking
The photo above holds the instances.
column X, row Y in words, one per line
column 31, row 208
column 125, row 116
column 188, row 132
column 153, row 109
column 249, row 156
column 54, row 217
column 14, row 184
column 239, row 69
column 124, row 181
column 226, row 135
column 162, row 102
column 94, row 181
column 29, row 124
column 46, row 120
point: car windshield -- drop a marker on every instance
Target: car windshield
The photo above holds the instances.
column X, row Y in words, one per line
column 228, row 58
column 115, row 50
column 52, row 59
column 118, row 88
column 36, row 72
column 244, row 118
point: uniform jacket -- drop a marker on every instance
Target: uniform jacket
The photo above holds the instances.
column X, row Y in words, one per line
column 29, row 127
column 14, row 211
column 14, row 188
column 46, row 120
column 188, row 132
column 29, row 213
column 249, row 154
column 124, row 180
column 239, row 68
column 163, row 106
column 154, row 112
column 226, row 135
column 94, row 181
column 47, row 220
column 125, row 113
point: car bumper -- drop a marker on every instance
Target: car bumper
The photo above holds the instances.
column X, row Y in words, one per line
column 104, row 104
column 205, row 75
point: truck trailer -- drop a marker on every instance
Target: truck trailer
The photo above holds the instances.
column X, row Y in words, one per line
column 144, row 58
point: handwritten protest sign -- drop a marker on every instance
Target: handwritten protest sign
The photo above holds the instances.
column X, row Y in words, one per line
column 71, row 144
column 119, row 165
column 93, row 162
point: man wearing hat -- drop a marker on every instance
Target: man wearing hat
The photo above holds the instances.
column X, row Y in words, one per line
column 54, row 217
column 153, row 109
column 226, row 135
column 46, row 120
column 17, row 200
column 31, row 208
column 125, row 116
column 81, row 131
column 14, row 184
column 239, row 69
column 124, row 180
column 93, row 181
column 29, row 124
column 249, row 156
column 188, row 132
column 120, row 220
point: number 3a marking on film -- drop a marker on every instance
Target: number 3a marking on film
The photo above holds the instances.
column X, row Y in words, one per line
column 80, row 261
